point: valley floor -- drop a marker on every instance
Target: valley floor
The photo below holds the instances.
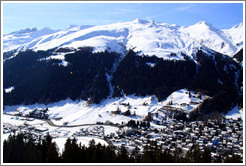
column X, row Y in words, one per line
column 125, row 122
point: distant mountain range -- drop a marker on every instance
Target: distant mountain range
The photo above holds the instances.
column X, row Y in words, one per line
column 147, row 36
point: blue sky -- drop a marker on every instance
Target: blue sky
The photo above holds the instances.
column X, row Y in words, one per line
column 60, row 15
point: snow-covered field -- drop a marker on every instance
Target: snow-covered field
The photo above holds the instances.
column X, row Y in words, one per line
column 185, row 101
column 77, row 113
column 74, row 119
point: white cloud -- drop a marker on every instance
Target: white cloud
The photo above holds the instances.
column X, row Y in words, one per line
column 186, row 7
column 175, row 10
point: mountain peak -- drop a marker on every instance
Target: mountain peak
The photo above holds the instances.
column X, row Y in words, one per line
column 204, row 23
column 46, row 29
column 72, row 26
column 78, row 27
column 27, row 30
column 238, row 25
column 141, row 21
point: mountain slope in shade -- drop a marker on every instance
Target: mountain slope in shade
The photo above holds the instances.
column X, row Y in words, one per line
column 97, row 76
column 145, row 36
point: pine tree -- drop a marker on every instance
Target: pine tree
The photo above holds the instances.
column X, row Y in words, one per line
column 109, row 155
column 66, row 155
column 45, row 146
column 52, row 154
column 15, row 149
column 33, row 152
column 123, row 155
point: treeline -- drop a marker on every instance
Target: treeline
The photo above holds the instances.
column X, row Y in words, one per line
column 46, row 81
column 217, row 77
column 24, row 149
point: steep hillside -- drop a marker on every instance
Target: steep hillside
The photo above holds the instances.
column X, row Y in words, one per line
column 37, row 80
column 33, row 77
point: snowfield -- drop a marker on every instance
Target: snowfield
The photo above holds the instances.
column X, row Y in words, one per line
column 9, row 90
column 17, row 39
column 185, row 101
column 78, row 112
column 235, row 113
column 203, row 32
column 146, row 36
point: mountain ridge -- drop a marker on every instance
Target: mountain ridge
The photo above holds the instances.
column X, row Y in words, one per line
column 147, row 36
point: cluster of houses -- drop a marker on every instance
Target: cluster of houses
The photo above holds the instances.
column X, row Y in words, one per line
column 222, row 136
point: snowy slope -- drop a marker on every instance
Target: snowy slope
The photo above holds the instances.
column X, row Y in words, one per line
column 211, row 37
column 146, row 36
column 235, row 113
column 19, row 38
column 236, row 35
column 185, row 101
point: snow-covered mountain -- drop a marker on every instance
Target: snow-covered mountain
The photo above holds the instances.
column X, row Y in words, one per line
column 211, row 37
column 236, row 35
column 18, row 39
column 48, row 66
column 146, row 36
